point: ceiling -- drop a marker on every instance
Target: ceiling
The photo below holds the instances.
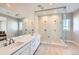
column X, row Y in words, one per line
column 25, row 8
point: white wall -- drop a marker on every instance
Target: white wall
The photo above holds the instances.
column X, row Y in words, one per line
column 76, row 26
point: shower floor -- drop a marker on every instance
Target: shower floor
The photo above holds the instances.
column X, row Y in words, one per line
column 53, row 41
column 52, row 49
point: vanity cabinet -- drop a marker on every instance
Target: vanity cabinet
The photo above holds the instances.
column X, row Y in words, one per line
column 35, row 44
column 25, row 50
column 3, row 35
column 29, row 48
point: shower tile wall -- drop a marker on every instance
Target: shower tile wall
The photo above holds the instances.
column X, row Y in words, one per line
column 50, row 27
column 27, row 26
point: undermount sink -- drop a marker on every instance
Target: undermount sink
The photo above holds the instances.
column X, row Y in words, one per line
column 12, row 46
column 16, row 44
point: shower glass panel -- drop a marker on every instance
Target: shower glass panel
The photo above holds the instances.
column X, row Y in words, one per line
column 50, row 25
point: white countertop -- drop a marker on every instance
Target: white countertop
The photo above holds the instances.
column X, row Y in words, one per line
column 8, row 50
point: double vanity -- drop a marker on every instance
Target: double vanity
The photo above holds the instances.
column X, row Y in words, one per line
column 23, row 45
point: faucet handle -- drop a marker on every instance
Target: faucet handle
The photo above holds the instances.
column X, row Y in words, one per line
column 11, row 41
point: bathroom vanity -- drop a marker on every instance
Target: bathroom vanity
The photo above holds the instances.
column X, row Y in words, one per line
column 24, row 45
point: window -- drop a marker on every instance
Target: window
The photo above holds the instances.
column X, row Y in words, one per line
column 76, row 24
column 66, row 24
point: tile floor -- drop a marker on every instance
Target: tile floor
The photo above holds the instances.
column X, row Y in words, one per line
column 52, row 49
column 53, row 41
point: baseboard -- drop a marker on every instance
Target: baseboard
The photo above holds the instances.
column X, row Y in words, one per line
column 73, row 42
column 56, row 44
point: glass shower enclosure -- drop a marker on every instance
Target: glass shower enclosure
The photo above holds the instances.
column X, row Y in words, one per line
column 51, row 23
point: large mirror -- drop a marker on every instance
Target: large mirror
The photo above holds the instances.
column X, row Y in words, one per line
column 11, row 26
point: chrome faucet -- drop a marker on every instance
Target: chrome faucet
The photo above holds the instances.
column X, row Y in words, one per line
column 11, row 41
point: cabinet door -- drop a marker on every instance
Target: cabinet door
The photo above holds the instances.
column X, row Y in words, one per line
column 34, row 45
column 27, row 51
column 19, row 51
column 23, row 50
column 29, row 48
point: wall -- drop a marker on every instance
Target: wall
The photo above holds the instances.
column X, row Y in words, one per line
column 76, row 26
column 50, row 28
column 28, row 26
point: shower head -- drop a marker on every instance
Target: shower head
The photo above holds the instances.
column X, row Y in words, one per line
column 40, row 6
